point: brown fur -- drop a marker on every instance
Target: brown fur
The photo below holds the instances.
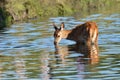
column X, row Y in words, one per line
column 83, row 33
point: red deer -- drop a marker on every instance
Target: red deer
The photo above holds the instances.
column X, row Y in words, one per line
column 86, row 33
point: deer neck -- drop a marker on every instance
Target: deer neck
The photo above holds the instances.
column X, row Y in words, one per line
column 66, row 34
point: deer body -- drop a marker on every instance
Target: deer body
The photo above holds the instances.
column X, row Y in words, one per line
column 83, row 33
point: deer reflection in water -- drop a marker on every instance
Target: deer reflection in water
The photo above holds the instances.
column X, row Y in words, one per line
column 62, row 52
column 89, row 55
column 89, row 52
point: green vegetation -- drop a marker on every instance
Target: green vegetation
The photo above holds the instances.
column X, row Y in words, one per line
column 19, row 10
column 4, row 15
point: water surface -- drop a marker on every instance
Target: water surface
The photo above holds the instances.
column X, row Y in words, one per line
column 27, row 51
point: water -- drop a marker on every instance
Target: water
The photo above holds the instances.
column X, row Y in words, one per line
column 27, row 51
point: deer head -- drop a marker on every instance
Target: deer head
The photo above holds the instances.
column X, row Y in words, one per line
column 58, row 34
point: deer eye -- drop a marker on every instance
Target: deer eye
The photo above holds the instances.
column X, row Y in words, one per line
column 58, row 35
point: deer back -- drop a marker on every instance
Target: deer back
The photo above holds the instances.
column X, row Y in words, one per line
column 87, row 32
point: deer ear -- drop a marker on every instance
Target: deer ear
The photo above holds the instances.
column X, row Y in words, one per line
column 55, row 27
column 62, row 26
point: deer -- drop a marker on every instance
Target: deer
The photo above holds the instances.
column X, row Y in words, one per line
column 86, row 33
